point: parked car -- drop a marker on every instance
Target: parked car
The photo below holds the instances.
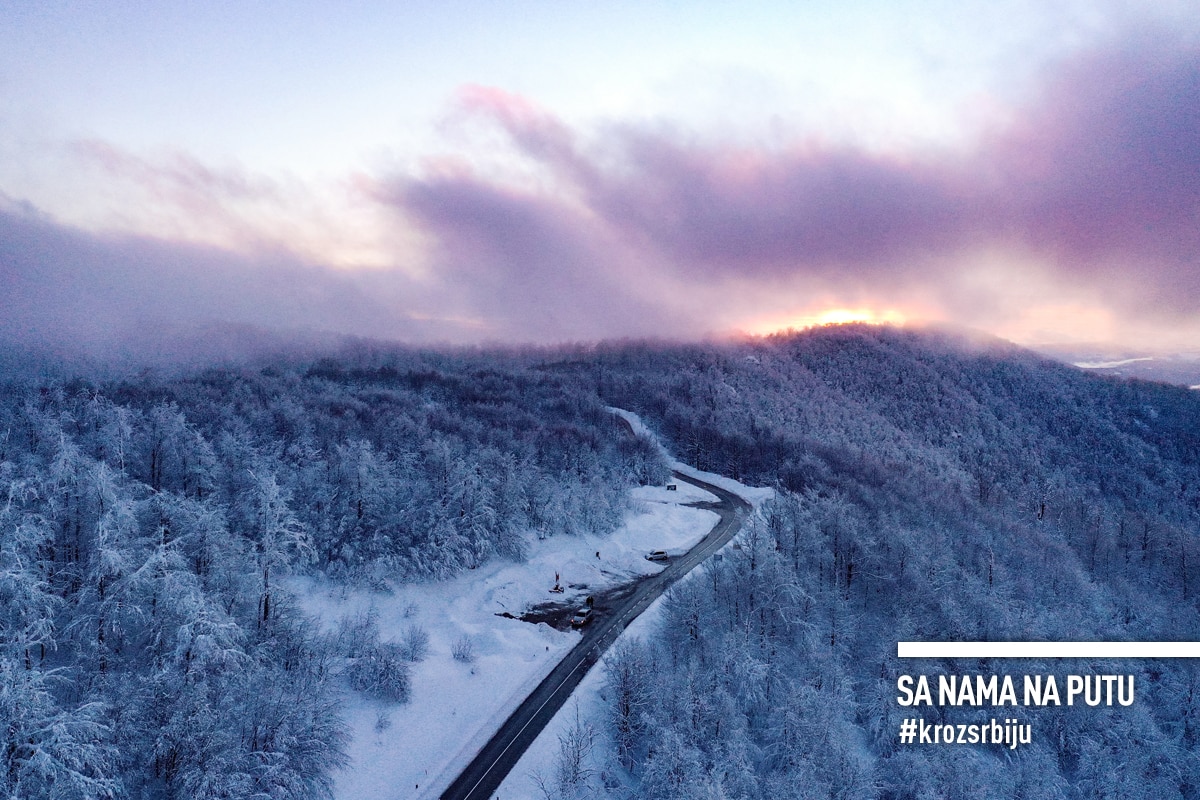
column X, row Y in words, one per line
column 657, row 555
column 582, row 617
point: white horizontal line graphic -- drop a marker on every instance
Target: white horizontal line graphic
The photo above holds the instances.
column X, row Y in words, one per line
column 1048, row 649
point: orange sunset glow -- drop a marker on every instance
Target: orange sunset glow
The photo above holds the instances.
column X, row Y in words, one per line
column 811, row 318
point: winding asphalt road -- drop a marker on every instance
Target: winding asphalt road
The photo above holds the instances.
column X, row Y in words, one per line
column 483, row 775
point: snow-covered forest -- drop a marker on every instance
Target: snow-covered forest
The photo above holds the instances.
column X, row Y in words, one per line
column 929, row 490
column 146, row 645
column 928, row 487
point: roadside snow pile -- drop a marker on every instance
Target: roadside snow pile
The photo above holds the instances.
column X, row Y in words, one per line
column 754, row 495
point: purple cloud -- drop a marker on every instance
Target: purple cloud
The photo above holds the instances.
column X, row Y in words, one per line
column 1106, row 166
column 819, row 209
column 1099, row 177
column 535, row 269
column 641, row 232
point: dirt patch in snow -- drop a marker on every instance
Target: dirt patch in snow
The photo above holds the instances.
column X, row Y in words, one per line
column 557, row 613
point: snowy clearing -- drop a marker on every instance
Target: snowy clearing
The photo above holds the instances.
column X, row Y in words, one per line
column 417, row 748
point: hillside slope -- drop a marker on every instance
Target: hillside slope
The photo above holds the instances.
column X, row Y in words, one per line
column 931, row 489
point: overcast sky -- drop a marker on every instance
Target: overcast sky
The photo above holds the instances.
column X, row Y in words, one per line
column 550, row 171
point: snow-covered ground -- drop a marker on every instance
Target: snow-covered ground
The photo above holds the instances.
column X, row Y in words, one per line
column 416, row 749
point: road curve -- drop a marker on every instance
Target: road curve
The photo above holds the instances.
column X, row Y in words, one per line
column 485, row 773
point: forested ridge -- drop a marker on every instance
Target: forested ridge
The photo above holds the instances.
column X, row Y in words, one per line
column 928, row 487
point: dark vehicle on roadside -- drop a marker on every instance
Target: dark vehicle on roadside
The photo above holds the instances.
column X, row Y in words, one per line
column 657, row 555
column 582, row 617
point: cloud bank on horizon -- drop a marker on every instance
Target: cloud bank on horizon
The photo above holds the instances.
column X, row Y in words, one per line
column 1069, row 210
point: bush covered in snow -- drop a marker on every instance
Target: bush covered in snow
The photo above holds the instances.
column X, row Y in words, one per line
column 414, row 643
column 381, row 672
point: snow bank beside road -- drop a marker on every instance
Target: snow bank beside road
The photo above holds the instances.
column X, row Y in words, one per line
column 754, row 495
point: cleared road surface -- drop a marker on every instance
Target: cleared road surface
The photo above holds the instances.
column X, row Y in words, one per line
column 483, row 776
